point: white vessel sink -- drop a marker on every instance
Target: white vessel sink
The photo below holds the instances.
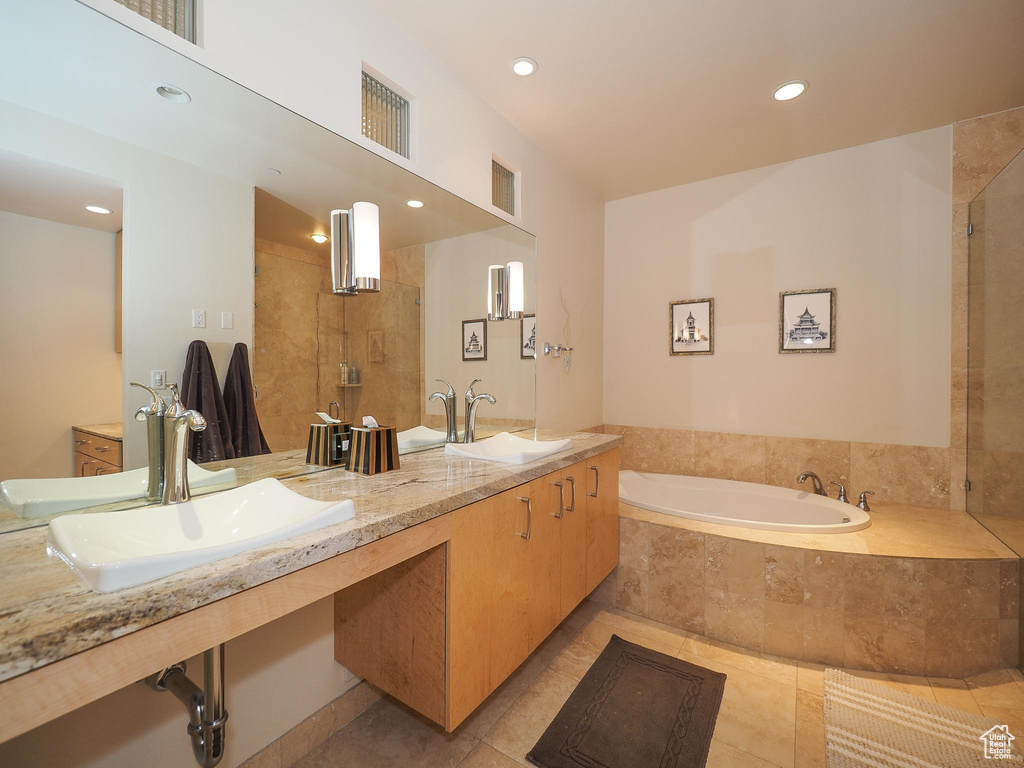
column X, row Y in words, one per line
column 44, row 497
column 419, row 437
column 114, row 550
column 507, row 449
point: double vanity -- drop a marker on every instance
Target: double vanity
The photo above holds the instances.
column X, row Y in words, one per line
column 447, row 574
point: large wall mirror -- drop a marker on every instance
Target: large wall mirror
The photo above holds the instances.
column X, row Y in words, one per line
column 211, row 203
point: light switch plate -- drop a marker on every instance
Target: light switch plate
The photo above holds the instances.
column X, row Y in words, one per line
column 158, row 379
column 198, row 318
column 227, row 319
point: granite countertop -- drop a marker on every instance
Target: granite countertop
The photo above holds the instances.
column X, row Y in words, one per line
column 48, row 613
column 112, row 431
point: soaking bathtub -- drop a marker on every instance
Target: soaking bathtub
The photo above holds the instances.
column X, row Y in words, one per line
column 746, row 505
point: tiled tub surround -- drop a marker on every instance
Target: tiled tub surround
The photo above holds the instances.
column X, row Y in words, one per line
column 50, row 614
column 903, row 474
column 859, row 600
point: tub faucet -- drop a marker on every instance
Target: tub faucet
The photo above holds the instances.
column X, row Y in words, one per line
column 153, row 415
column 449, row 411
column 179, row 423
column 818, row 488
column 863, row 503
column 842, row 491
column 472, row 403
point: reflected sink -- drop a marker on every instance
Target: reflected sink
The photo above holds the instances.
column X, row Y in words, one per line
column 114, row 550
column 50, row 496
column 419, row 437
column 507, row 449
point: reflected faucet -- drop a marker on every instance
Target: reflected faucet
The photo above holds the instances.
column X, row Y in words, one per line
column 179, row 423
column 472, row 403
column 449, row 411
column 153, row 415
column 818, row 488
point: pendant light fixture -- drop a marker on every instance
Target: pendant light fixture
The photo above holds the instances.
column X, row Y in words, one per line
column 355, row 249
column 506, row 293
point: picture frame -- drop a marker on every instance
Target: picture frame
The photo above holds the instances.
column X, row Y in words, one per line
column 375, row 346
column 474, row 340
column 802, row 317
column 528, row 337
column 691, row 327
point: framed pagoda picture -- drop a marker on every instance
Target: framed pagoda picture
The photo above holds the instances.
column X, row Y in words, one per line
column 474, row 339
column 691, row 327
column 807, row 321
column 528, row 337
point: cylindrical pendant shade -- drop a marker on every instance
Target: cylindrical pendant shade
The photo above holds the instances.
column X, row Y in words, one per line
column 516, row 290
column 497, row 296
column 341, row 252
column 365, row 229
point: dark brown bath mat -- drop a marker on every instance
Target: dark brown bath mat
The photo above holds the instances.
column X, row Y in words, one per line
column 635, row 708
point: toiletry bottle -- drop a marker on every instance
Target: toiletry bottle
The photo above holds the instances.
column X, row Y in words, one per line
column 353, row 374
column 344, row 373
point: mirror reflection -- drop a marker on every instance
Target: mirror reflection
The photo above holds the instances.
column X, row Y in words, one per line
column 156, row 243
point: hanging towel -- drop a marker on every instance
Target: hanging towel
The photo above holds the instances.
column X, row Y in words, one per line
column 246, row 434
column 200, row 390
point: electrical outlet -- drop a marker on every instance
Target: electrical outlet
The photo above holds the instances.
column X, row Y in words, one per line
column 198, row 318
column 227, row 319
column 158, row 379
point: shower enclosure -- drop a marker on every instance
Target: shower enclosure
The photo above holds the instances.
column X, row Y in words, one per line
column 995, row 373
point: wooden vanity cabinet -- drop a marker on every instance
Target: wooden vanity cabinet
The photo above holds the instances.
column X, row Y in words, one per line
column 602, row 516
column 516, row 565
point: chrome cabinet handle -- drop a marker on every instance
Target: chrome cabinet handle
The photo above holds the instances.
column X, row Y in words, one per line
column 529, row 516
column 101, row 471
column 561, row 500
column 81, row 442
column 102, row 448
column 572, row 505
column 597, row 480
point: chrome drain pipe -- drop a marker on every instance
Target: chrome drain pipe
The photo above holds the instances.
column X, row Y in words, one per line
column 207, row 717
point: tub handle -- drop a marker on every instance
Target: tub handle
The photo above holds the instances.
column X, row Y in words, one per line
column 597, row 480
column 561, row 500
column 572, row 504
column 529, row 516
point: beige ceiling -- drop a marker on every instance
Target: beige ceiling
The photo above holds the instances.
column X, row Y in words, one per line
column 638, row 96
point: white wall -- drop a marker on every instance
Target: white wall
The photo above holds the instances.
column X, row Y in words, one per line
column 872, row 221
column 56, row 341
column 456, row 287
column 188, row 243
column 308, row 57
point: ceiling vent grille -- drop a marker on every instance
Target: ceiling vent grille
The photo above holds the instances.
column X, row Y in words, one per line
column 385, row 116
column 503, row 188
column 178, row 16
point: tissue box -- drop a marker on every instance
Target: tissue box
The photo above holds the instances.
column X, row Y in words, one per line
column 373, row 450
column 328, row 444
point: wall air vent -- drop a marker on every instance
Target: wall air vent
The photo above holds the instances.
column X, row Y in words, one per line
column 385, row 116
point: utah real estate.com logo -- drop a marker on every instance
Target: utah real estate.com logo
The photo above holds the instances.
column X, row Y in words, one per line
column 997, row 741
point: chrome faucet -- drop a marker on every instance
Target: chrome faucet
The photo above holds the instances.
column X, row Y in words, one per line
column 818, row 488
column 153, row 415
column 449, row 411
column 842, row 491
column 863, row 503
column 179, row 423
column 472, row 403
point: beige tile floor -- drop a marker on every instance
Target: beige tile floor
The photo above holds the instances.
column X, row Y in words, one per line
column 772, row 714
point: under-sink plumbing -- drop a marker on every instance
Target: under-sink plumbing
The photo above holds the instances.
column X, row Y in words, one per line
column 207, row 717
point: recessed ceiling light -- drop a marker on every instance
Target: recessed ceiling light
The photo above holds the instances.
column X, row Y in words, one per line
column 97, row 209
column 319, row 239
column 273, row 172
column 415, row 203
column 524, row 66
column 790, row 90
column 172, row 93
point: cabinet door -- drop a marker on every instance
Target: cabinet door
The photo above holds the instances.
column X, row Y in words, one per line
column 573, row 525
column 544, row 559
column 602, row 516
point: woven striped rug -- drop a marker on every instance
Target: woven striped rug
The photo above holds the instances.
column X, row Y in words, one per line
column 870, row 725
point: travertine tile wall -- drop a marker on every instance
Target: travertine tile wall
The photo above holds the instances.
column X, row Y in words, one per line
column 903, row 474
column 946, row 618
